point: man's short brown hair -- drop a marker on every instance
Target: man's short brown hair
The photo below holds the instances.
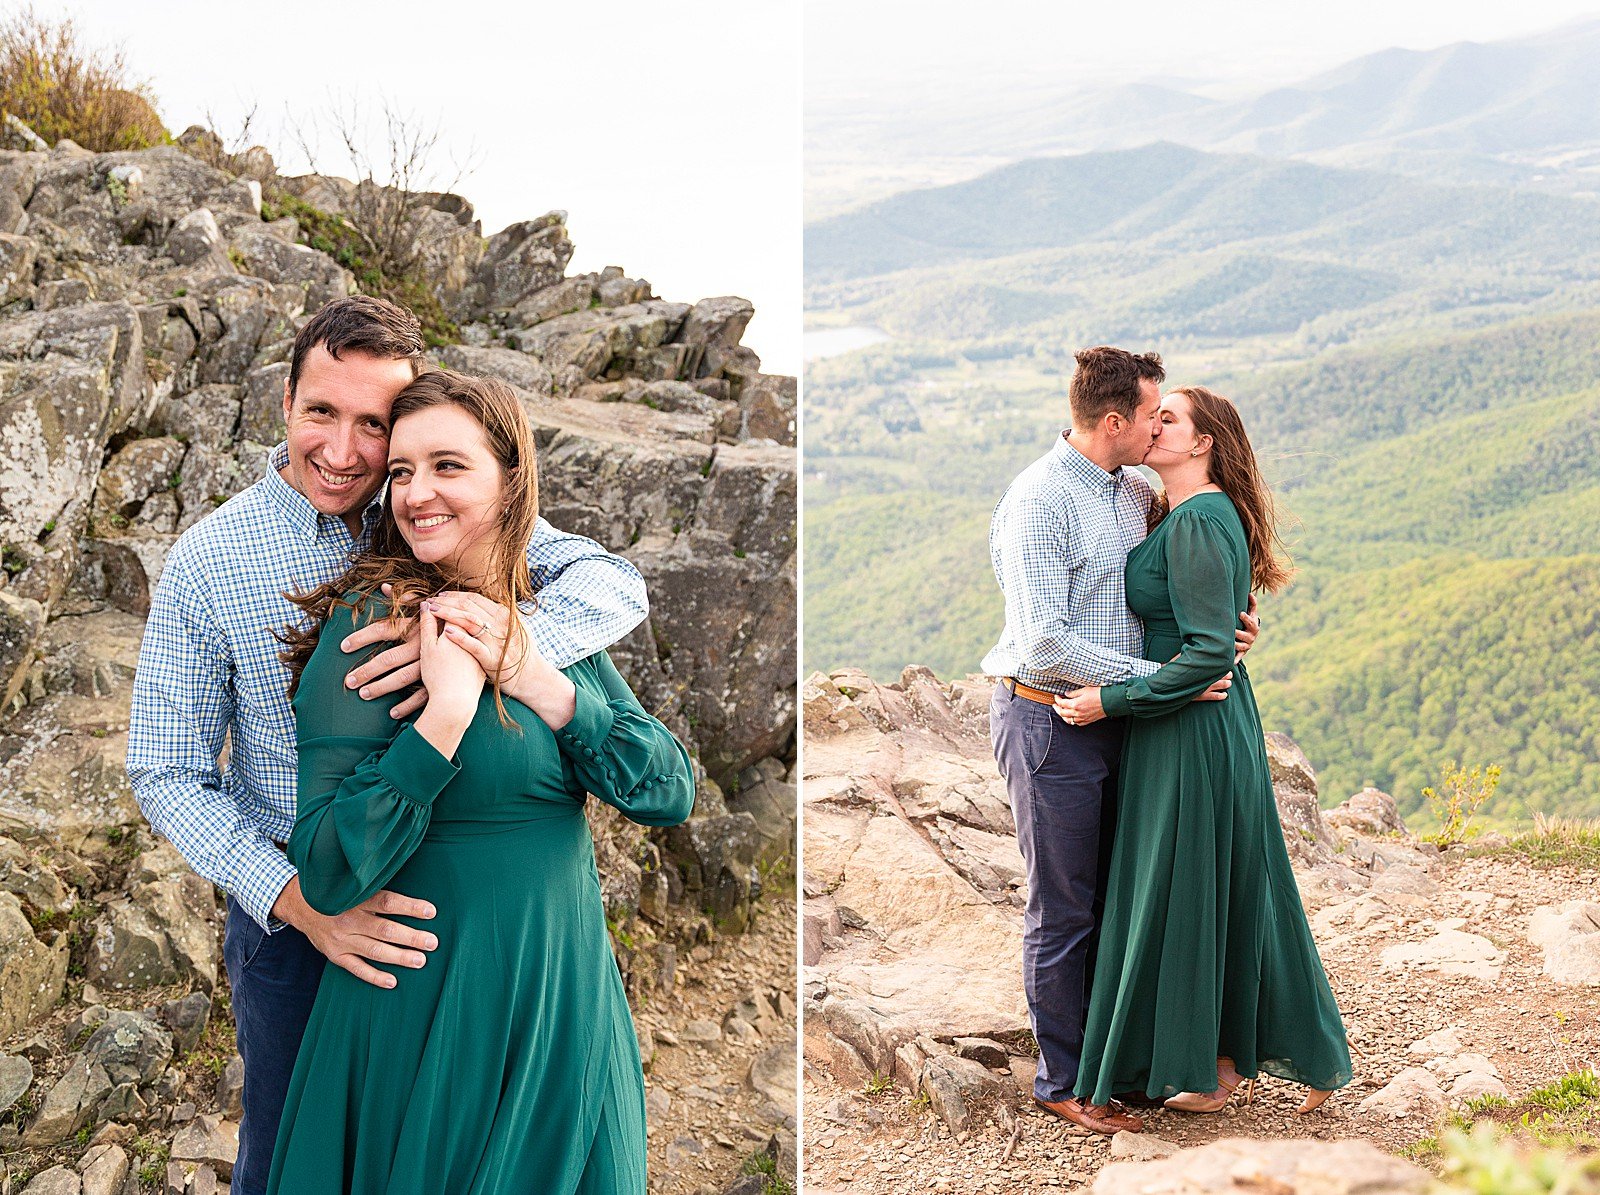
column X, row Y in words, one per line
column 1107, row 379
column 360, row 324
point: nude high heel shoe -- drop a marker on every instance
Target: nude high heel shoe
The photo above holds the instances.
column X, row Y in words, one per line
column 1316, row 1097
column 1215, row 1101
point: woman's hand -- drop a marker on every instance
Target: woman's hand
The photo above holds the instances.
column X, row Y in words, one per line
column 1081, row 706
column 480, row 627
column 454, row 680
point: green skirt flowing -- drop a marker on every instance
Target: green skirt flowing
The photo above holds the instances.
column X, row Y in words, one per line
column 1204, row 948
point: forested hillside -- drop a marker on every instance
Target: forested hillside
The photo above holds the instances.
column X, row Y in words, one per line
column 1445, row 491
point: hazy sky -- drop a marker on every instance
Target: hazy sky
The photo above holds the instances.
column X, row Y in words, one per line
column 1250, row 41
column 670, row 135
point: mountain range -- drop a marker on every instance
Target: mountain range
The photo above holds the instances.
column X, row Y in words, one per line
column 1417, row 362
column 1514, row 112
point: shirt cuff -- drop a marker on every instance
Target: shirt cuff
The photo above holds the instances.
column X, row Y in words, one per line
column 592, row 720
column 269, row 873
column 1114, row 700
column 414, row 767
column 1142, row 668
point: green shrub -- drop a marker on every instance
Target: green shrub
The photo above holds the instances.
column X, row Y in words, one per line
column 60, row 87
column 1461, row 793
column 342, row 240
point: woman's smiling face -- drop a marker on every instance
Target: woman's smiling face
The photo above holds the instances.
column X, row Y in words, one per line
column 445, row 487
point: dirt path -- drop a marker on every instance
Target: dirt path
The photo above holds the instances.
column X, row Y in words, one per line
column 721, row 1082
column 1530, row 1029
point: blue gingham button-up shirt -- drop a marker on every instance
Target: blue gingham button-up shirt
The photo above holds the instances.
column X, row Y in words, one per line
column 1058, row 540
column 209, row 671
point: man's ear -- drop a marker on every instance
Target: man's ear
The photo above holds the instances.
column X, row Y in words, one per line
column 288, row 400
column 1112, row 422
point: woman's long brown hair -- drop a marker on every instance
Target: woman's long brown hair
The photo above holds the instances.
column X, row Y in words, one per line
column 1234, row 468
column 389, row 561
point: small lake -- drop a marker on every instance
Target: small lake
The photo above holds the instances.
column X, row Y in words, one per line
column 830, row 342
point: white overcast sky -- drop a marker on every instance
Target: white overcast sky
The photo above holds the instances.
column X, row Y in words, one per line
column 670, row 134
column 1263, row 42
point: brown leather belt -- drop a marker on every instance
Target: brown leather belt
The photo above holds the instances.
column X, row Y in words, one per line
column 1028, row 691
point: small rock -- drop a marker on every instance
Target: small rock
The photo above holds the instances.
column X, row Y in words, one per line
column 702, row 1032
column 1140, row 1147
column 1445, row 1041
column 209, row 1140
column 981, row 1049
column 58, row 1180
column 1413, row 1093
column 16, row 1076
column 187, row 1018
column 131, row 1047
column 105, row 1168
column 230, row 1089
column 69, row 1104
column 1474, row 1085
column 1569, row 934
column 1452, row 952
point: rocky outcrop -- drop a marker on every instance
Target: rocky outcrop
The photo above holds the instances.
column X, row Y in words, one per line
column 146, row 312
column 913, row 882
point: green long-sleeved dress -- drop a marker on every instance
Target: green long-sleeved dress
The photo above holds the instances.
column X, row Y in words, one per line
column 508, row 1063
column 1204, row 947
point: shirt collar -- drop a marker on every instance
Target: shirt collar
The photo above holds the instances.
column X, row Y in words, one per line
column 307, row 521
column 1081, row 468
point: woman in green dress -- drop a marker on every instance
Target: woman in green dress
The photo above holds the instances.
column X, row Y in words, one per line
column 1206, row 974
column 508, row 1063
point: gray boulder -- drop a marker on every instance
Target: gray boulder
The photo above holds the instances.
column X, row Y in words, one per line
column 1294, row 784
column 32, row 973
column 17, row 256
column 269, row 257
column 561, row 298
column 518, row 369
column 768, row 404
column 1371, row 812
column 1569, row 935
column 58, row 1180
column 140, row 470
column 105, row 1168
column 16, row 1076
column 524, row 258
column 69, row 1104
column 718, row 855
column 161, row 933
column 195, row 238
column 63, row 292
column 131, row 1049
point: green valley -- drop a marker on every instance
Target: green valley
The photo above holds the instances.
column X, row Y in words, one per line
column 1431, row 418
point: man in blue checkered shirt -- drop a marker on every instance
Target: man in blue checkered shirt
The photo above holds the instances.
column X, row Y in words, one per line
column 209, row 674
column 1059, row 539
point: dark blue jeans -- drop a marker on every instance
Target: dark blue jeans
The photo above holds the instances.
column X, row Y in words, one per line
column 274, row 978
column 1062, row 781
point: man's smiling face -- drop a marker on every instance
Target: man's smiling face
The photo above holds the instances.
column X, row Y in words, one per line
column 338, row 427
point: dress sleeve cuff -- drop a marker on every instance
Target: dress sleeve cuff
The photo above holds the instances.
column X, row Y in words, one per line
column 415, row 768
column 592, row 719
column 1114, row 700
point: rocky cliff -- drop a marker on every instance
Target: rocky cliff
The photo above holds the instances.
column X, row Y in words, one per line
column 1460, row 974
column 147, row 304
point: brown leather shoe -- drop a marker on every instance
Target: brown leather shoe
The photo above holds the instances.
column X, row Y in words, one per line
column 1106, row 1119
